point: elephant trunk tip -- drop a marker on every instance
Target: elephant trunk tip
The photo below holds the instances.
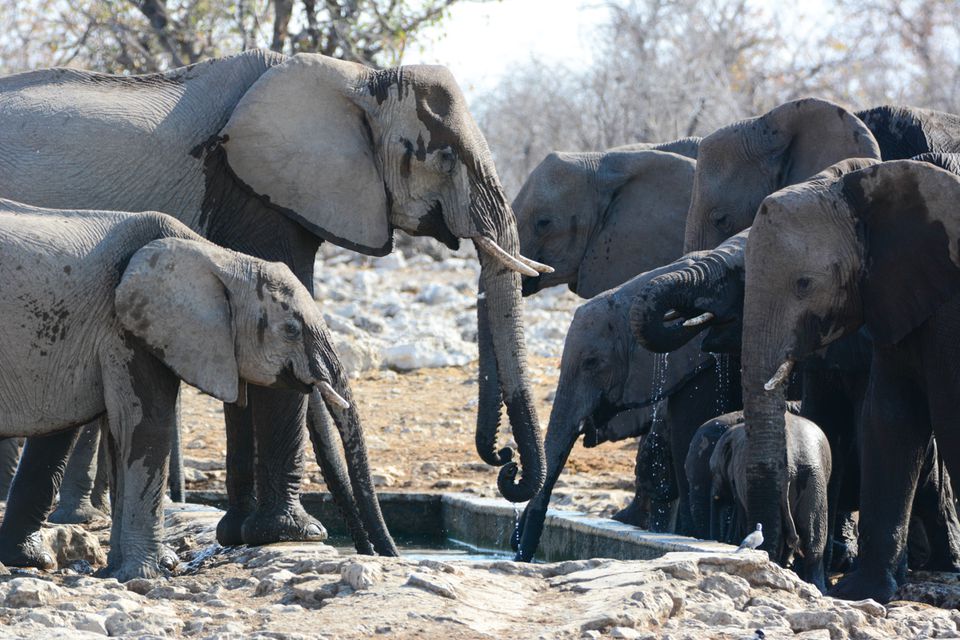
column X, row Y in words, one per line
column 517, row 491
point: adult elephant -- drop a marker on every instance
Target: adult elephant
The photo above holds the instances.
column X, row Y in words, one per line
column 603, row 371
column 601, row 218
column 271, row 155
column 879, row 250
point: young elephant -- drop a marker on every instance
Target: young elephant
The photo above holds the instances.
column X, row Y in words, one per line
column 803, row 505
column 105, row 313
column 875, row 247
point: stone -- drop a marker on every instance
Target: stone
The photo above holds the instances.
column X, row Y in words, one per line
column 314, row 591
column 809, row 620
column 432, row 584
column 359, row 575
column 734, row 587
column 624, row 632
column 31, row 592
column 72, row 543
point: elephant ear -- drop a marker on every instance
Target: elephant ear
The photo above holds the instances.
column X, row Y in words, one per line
column 812, row 134
column 644, row 197
column 906, row 217
column 171, row 298
column 300, row 139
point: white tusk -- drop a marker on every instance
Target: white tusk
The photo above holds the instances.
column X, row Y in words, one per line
column 780, row 376
column 703, row 318
column 536, row 266
column 496, row 252
column 332, row 396
column 671, row 315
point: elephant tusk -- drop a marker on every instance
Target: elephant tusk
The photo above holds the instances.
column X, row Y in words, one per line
column 496, row 252
column 703, row 318
column 332, row 397
column 780, row 376
column 536, row 266
column 671, row 315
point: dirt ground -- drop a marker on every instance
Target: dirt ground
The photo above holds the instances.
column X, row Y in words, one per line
column 420, row 432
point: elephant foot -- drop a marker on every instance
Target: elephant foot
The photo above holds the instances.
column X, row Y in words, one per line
column 844, row 555
column 230, row 527
column 127, row 571
column 859, row 585
column 83, row 513
column 29, row 552
column 633, row 514
column 291, row 524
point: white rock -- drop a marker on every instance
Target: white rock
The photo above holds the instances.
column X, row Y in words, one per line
column 360, row 575
column 31, row 592
column 429, row 352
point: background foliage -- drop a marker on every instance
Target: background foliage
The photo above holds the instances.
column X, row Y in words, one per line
column 662, row 69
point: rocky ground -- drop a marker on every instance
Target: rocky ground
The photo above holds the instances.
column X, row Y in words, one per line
column 406, row 327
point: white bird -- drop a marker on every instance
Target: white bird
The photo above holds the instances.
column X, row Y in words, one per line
column 753, row 540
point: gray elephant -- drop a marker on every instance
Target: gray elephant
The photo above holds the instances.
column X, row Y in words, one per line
column 106, row 312
column 878, row 251
column 802, row 506
column 272, row 155
column 602, row 218
column 604, row 371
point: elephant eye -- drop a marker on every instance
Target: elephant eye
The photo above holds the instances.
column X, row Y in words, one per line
column 291, row 330
column 720, row 220
column 447, row 160
column 802, row 286
column 543, row 224
column 591, row 363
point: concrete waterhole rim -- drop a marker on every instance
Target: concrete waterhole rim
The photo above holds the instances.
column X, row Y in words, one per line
column 488, row 523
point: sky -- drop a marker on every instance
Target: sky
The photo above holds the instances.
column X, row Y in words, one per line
column 480, row 41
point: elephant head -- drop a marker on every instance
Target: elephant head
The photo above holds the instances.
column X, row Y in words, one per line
column 219, row 319
column 352, row 153
column 739, row 165
column 602, row 372
column 601, row 218
column 874, row 247
column 703, row 290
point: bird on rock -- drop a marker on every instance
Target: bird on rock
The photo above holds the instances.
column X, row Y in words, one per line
column 753, row 540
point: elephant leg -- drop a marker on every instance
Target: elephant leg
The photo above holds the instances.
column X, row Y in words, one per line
column 9, row 458
column 326, row 447
column 241, row 489
column 142, row 421
column 895, row 433
column 844, row 542
column 75, row 506
column 177, row 489
column 811, row 516
column 278, row 419
column 31, row 498
column 100, row 495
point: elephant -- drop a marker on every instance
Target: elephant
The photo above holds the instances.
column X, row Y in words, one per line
column 104, row 313
column 603, row 371
column 271, row 155
column 803, row 503
column 739, row 165
column 878, row 252
column 599, row 219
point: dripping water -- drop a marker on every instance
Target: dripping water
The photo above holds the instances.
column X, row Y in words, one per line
column 722, row 381
column 659, row 380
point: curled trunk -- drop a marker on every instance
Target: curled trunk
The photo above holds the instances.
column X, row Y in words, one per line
column 677, row 290
column 500, row 333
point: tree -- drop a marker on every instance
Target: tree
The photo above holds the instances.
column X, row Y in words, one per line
column 140, row 36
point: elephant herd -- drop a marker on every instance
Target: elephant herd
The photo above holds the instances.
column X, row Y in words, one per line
column 808, row 254
column 773, row 308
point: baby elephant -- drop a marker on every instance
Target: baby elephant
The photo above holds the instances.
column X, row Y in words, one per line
column 105, row 313
column 804, row 508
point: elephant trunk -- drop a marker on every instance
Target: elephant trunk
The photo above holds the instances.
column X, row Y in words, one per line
column 502, row 351
column 562, row 433
column 676, row 290
column 763, row 412
column 347, row 420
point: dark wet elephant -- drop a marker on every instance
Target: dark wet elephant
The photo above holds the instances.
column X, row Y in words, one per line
column 271, row 155
column 604, row 371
